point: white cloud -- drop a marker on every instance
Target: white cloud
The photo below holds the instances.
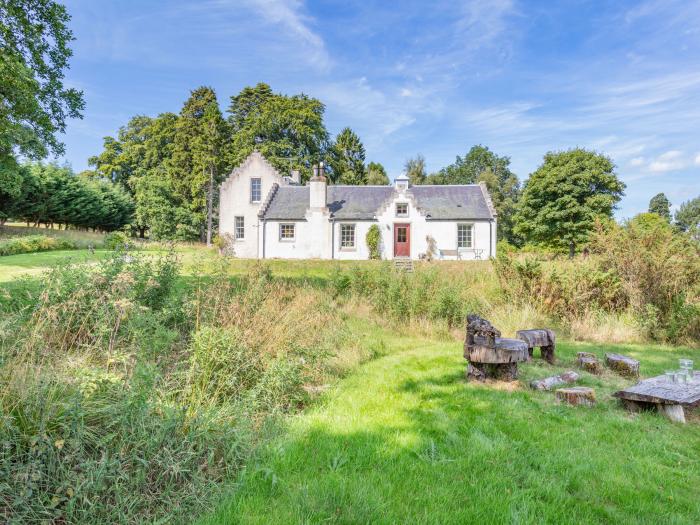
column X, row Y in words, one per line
column 669, row 161
column 289, row 14
column 637, row 161
column 697, row 159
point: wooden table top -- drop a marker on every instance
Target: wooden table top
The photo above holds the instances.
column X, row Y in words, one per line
column 659, row 390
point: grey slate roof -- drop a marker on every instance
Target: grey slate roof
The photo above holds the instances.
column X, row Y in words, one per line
column 364, row 202
column 451, row 202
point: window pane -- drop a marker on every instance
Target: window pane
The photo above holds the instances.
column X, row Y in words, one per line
column 255, row 190
column 347, row 235
column 287, row 231
column 401, row 209
column 239, row 229
column 464, row 235
column 401, row 234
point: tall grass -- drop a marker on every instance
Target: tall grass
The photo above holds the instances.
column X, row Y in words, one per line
column 130, row 395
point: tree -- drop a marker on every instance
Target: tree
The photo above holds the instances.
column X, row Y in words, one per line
column 288, row 130
column 660, row 205
column 142, row 149
column 376, row 174
column 346, row 159
column 34, row 105
column 196, row 162
column 467, row 169
column 415, row 170
column 563, row 198
column 504, row 191
column 688, row 217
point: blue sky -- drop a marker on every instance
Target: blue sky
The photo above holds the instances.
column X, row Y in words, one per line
column 409, row 77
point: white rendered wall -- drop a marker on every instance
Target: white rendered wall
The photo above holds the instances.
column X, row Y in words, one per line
column 235, row 201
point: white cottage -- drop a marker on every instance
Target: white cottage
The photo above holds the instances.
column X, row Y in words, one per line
column 268, row 215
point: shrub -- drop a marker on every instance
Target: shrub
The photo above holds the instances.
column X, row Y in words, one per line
column 34, row 243
column 116, row 240
column 373, row 240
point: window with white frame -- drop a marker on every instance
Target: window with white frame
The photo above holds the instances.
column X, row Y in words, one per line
column 255, row 190
column 465, row 235
column 347, row 236
column 402, row 209
column 239, row 228
column 287, row 232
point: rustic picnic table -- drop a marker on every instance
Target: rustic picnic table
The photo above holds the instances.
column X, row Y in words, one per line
column 670, row 399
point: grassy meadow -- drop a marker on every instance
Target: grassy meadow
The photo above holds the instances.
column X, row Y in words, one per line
column 174, row 385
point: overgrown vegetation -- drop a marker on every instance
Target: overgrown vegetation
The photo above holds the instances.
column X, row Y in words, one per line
column 129, row 395
column 34, row 243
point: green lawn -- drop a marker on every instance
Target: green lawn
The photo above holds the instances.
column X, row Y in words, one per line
column 405, row 439
column 12, row 266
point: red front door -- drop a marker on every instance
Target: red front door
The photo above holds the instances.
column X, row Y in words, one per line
column 402, row 240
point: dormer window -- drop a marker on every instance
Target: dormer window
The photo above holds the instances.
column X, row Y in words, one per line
column 255, row 190
column 402, row 209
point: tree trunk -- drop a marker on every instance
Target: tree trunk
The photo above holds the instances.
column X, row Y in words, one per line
column 572, row 250
column 210, row 204
column 142, row 233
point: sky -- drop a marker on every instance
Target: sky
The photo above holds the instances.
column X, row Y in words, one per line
column 435, row 78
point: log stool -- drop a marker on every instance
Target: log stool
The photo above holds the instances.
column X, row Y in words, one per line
column 576, row 395
column 623, row 365
column 542, row 337
column 589, row 362
column 489, row 355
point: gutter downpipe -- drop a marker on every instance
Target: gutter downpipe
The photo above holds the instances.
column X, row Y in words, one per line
column 333, row 238
column 263, row 237
column 490, row 238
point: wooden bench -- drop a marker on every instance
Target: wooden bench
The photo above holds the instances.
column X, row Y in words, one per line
column 670, row 399
column 542, row 337
column 459, row 252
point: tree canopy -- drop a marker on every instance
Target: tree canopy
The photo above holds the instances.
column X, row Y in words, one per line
column 288, row 130
column 564, row 197
column 661, row 206
column 688, row 217
column 34, row 54
column 415, row 170
column 376, row 174
column 54, row 195
column 346, row 159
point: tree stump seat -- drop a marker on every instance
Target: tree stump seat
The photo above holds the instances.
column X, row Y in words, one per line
column 542, row 337
column 623, row 365
column 589, row 362
column 489, row 355
column 576, row 395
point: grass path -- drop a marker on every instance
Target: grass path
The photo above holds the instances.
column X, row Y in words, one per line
column 12, row 266
column 405, row 439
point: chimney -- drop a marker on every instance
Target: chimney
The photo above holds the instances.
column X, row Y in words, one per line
column 317, row 189
column 296, row 177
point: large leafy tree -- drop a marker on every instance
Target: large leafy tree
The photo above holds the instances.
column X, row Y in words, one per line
column 415, row 170
column 141, row 150
column 288, row 130
column 34, row 103
column 196, row 164
column 688, row 217
column 563, row 198
column 346, row 159
column 376, row 174
column 660, row 205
